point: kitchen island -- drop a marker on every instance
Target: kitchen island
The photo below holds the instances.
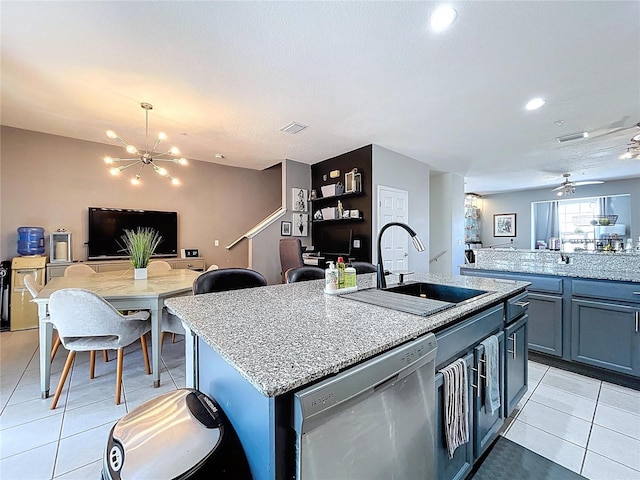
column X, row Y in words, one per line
column 584, row 312
column 252, row 349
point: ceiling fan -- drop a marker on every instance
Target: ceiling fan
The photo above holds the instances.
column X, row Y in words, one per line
column 568, row 187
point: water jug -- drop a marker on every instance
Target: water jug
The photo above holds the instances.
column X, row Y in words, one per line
column 30, row 240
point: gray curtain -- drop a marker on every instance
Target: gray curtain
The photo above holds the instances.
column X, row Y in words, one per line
column 546, row 223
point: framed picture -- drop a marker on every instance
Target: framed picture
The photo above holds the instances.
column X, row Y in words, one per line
column 504, row 225
column 299, row 200
column 300, row 224
column 285, row 229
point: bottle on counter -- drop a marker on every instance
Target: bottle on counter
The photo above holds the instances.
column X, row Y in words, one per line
column 331, row 278
column 341, row 268
column 350, row 277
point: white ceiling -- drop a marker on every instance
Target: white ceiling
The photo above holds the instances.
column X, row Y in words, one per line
column 225, row 76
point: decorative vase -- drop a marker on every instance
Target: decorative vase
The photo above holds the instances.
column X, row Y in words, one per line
column 140, row 273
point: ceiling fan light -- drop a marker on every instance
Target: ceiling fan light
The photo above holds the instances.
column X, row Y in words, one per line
column 175, row 181
column 175, row 151
column 181, row 161
column 108, row 160
column 162, row 136
column 132, row 149
column 135, row 180
column 114, row 171
column 111, row 134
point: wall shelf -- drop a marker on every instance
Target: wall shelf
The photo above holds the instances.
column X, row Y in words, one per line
column 337, row 220
column 322, row 200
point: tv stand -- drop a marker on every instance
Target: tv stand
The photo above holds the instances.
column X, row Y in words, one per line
column 56, row 269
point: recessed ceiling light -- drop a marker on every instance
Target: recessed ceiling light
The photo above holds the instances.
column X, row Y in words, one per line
column 442, row 18
column 534, row 104
column 293, row 127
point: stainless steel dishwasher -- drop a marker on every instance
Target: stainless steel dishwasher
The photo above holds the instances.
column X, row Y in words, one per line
column 374, row 420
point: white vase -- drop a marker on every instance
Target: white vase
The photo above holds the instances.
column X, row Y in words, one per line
column 139, row 273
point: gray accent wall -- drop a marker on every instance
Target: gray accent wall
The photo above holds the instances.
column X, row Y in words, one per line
column 520, row 204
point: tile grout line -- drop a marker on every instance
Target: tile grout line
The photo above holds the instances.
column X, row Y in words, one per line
column 593, row 419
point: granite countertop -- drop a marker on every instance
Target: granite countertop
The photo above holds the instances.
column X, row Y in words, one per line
column 618, row 266
column 282, row 337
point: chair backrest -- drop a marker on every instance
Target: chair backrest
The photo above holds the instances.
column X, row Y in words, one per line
column 227, row 279
column 302, row 274
column 363, row 267
column 158, row 266
column 80, row 314
column 290, row 255
column 31, row 284
column 212, row 267
column 78, row 270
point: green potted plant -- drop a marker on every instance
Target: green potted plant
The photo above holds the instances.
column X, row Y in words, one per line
column 140, row 245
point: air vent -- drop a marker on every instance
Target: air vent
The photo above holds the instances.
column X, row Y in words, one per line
column 293, row 127
column 573, row 136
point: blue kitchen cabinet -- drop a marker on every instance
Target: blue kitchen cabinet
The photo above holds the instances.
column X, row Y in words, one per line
column 460, row 465
column 486, row 424
column 515, row 364
column 545, row 323
column 605, row 335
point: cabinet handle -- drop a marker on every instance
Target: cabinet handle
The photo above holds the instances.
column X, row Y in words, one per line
column 513, row 339
column 522, row 304
column 189, row 265
column 477, row 370
column 637, row 321
column 636, row 293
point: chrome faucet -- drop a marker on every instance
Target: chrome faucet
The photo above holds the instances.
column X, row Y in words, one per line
column 382, row 282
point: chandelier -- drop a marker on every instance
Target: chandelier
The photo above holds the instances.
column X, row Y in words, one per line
column 147, row 157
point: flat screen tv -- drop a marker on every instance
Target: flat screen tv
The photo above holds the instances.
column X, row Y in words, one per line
column 337, row 242
column 107, row 225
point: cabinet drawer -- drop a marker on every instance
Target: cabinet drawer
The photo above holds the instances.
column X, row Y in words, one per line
column 517, row 306
column 626, row 292
column 455, row 341
column 193, row 264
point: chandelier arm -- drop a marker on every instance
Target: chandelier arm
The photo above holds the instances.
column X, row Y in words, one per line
column 119, row 139
column 168, row 152
column 124, row 167
column 156, row 145
column 125, row 159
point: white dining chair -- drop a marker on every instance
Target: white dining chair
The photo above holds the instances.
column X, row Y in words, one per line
column 87, row 322
column 78, row 270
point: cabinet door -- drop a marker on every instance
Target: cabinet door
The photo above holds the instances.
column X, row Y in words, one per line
column 486, row 424
column 545, row 323
column 459, row 466
column 515, row 363
column 606, row 335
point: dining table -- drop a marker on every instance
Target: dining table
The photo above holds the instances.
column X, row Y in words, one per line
column 121, row 290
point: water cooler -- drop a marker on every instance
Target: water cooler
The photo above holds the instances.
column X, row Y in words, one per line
column 23, row 313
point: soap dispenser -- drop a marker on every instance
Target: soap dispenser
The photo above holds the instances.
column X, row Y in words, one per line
column 331, row 279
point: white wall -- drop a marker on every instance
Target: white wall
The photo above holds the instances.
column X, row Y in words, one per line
column 392, row 169
column 520, row 204
column 446, row 222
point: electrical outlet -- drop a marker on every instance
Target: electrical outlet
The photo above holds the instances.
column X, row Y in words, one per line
column 216, row 243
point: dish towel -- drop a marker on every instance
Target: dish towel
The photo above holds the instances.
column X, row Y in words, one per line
column 492, row 390
column 456, row 405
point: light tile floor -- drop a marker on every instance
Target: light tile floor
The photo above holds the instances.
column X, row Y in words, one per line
column 68, row 442
column 586, row 425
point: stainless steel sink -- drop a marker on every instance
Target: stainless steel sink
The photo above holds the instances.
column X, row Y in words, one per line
column 416, row 297
column 436, row 291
